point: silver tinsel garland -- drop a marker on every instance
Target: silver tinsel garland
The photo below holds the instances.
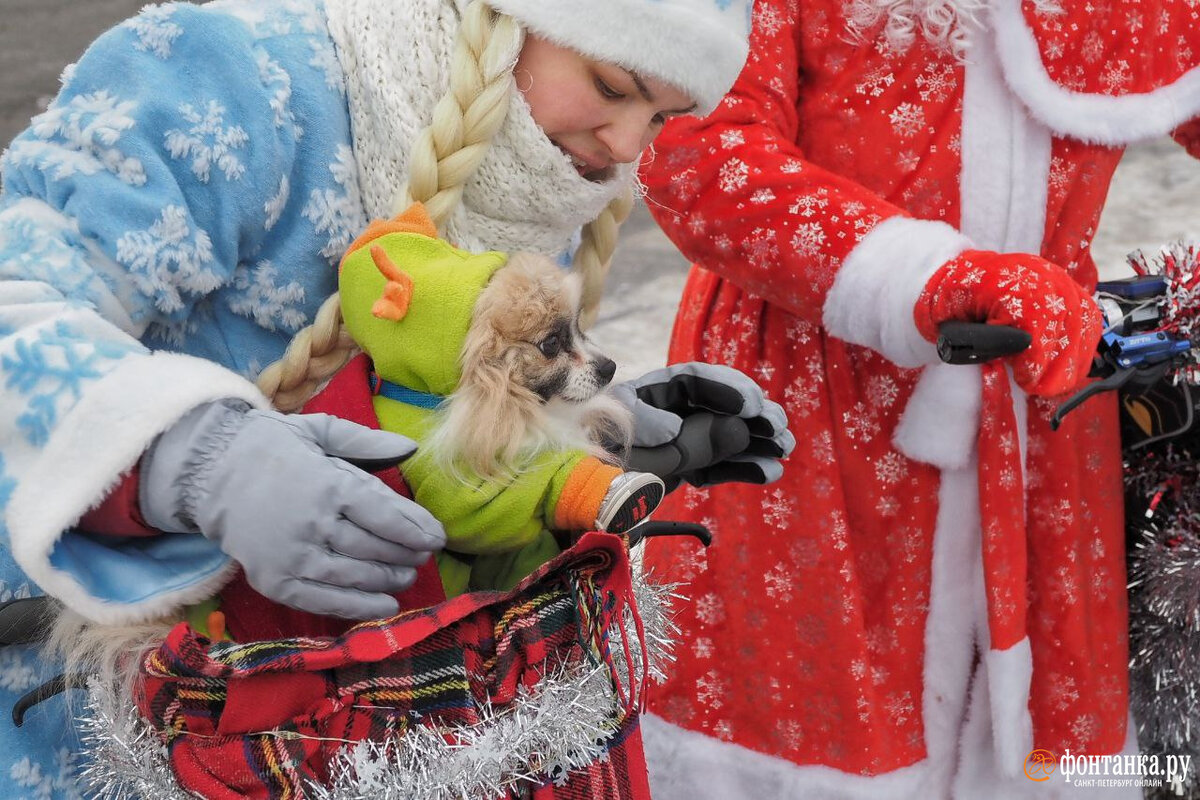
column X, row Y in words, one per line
column 1179, row 264
column 1164, row 601
column 557, row 727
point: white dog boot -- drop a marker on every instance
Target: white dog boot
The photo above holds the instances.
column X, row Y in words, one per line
column 631, row 499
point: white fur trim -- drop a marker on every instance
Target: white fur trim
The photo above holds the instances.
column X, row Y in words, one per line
column 941, row 420
column 685, row 765
column 872, row 299
column 950, row 628
column 694, row 45
column 101, row 438
column 1009, row 676
column 1098, row 118
column 978, row 777
column 1005, row 160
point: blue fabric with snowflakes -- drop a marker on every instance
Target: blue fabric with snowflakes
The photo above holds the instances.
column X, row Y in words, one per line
column 190, row 190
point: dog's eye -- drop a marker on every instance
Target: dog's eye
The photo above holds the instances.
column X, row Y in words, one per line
column 550, row 346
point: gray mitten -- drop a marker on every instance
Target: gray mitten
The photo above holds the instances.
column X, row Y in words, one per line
column 280, row 494
column 705, row 424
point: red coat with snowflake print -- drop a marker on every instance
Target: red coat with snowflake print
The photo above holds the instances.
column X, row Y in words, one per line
column 851, row 631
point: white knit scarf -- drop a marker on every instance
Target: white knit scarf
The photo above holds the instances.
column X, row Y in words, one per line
column 526, row 195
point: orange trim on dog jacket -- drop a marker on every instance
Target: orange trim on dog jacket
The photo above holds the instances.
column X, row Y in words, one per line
column 583, row 493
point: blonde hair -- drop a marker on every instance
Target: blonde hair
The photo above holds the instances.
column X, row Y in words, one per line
column 444, row 157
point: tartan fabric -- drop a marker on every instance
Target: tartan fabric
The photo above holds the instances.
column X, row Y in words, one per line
column 264, row 719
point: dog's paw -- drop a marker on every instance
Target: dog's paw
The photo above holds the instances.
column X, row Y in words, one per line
column 631, row 499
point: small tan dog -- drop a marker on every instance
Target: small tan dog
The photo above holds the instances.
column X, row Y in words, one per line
column 531, row 380
column 479, row 357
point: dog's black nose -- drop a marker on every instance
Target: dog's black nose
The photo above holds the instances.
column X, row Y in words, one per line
column 605, row 369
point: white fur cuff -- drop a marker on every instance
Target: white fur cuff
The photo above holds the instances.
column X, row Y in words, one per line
column 97, row 441
column 872, row 299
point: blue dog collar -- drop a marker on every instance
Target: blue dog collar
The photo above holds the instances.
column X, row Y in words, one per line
column 403, row 394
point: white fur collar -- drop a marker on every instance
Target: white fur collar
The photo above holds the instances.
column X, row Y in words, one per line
column 396, row 56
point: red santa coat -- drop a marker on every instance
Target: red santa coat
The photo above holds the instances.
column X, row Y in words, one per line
column 829, row 647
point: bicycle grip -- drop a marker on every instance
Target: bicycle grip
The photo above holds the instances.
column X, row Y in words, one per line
column 976, row 342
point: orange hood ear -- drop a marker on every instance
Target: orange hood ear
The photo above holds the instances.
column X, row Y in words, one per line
column 397, row 292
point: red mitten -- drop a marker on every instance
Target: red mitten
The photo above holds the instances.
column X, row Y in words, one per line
column 1026, row 292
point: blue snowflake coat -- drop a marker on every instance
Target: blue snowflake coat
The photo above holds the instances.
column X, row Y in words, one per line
column 166, row 226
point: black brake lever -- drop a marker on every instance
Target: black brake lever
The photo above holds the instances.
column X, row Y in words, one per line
column 1115, row 381
column 657, row 528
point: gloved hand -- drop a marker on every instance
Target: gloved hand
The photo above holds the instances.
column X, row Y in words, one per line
column 704, row 424
column 1026, row 292
column 278, row 493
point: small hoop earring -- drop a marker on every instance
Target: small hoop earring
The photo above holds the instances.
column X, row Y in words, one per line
column 517, row 80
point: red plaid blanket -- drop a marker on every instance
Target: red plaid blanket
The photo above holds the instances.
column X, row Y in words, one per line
column 266, row 719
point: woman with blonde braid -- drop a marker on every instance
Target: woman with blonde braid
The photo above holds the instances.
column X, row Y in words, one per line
column 175, row 217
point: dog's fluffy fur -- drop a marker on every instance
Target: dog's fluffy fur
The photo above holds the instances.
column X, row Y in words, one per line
column 531, row 381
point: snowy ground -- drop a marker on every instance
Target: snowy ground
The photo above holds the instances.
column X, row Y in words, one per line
column 1155, row 198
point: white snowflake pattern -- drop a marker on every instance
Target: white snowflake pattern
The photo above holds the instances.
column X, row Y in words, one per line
column 81, row 138
column 899, row 707
column 889, row 469
column 18, row 672
column 732, row 138
column 326, row 61
column 61, row 785
column 27, row 252
column 802, row 397
column 778, row 583
column 155, row 31
column 1064, row 586
column 778, row 509
column 808, row 239
column 208, row 141
column 936, row 82
column 762, row 196
column 887, row 506
column 723, row 730
column 907, row 120
column 1116, row 77
column 275, row 206
column 710, row 609
column 760, row 247
column 791, row 733
column 876, row 81
column 338, row 214
column 277, row 79
column 169, row 258
column 1084, row 728
column 733, row 175
column 711, row 690
column 767, row 19
column 860, row 423
column 258, row 296
column 882, row 391
column 809, row 205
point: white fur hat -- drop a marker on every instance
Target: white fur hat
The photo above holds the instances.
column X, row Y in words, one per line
column 698, row 46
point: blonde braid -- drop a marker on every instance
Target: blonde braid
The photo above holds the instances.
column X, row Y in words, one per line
column 594, row 256
column 447, row 153
column 445, row 156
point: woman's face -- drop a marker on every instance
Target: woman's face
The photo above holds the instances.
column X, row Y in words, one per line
column 599, row 114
